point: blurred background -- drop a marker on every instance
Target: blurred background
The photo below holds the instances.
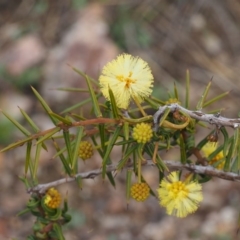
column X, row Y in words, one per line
column 39, row 39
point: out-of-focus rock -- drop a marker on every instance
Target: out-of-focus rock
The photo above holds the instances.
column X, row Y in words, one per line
column 9, row 31
column 86, row 46
column 10, row 102
column 213, row 190
column 197, row 22
column 212, row 43
column 171, row 228
column 23, row 54
column 221, row 222
column 117, row 204
column 115, row 221
column 161, row 230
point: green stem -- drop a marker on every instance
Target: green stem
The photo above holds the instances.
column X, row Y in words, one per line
column 139, row 169
column 139, row 106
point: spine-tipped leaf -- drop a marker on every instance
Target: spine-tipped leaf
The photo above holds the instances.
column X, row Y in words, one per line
column 109, row 149
column 48, row 135
column 66, row 136
column 203, row 97
column 95, row 103
column 28, row 163
column 215, row 99
column 60, row 118
column 36, row 162
column 45, row 106
column 17, row 124
column 30, row 121
column 113, row 104
column 78, row 139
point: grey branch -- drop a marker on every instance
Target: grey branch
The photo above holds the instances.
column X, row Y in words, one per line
column 172, row 165
column 215, row 119
column 206, row 170
column 41, row 188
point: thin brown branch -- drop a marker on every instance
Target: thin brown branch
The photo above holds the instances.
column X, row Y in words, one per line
column 95, row 121
column 172, row 165
column 74, row 124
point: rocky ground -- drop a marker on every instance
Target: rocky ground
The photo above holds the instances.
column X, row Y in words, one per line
column 39, row 42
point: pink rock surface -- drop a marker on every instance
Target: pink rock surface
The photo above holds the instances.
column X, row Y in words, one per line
column 23, row 54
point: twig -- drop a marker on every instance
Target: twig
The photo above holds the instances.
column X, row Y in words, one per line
column 41, row 188
column 215, row 119
column 173, row 165
column 206, row 170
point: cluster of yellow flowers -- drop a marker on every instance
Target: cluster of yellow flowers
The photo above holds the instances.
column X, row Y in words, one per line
column 180, row 198
column 130, row 78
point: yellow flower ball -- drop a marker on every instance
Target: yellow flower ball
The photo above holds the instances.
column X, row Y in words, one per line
column 142, row 132
column 52, row 198
column 85, row 150
column 140, row 191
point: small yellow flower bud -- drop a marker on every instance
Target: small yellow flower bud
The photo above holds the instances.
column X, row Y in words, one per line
column 210, row 148
column 85, row 150
column 52, row 198
column 172, row 100
column 142, row 132
column 140, row 191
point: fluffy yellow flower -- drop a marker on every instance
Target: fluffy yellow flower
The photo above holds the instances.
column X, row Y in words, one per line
column 128, row 77
column 179, row 197
column 52, row 198
column 208, row 149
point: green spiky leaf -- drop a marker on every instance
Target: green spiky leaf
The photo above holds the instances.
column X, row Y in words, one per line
column 203, row 97
column 17, row 124
column 44, row 105
column 109, row 149
column 78, row 138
